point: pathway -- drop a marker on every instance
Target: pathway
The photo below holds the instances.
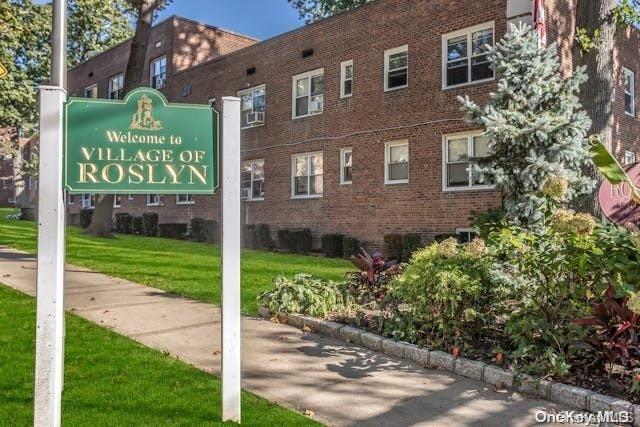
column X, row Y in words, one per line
column 344, row 385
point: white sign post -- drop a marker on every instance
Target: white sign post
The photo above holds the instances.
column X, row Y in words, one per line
column 231, row 259
column 51, row 241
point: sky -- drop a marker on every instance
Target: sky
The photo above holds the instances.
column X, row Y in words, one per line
column 258, row 18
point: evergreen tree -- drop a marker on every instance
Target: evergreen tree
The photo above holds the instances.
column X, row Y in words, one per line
column 537, row 129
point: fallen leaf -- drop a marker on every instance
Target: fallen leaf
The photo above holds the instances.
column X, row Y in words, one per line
column 92, row 299
column 306, row 329
column 309, row 413
column 216, row 353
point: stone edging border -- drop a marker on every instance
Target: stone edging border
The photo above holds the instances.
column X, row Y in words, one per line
column 574, row 397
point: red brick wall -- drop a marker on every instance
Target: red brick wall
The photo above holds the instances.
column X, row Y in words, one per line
column 626, row 128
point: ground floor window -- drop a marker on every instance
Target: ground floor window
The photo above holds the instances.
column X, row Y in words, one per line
column 461, row 153
column 154, row 199
column 346, row 160
column 629, row 157
column 185, row 199
column 307, row 175
column 88, row 201
column 396, row 162
column 252, row 180
column 117, row 200
column 70, row 199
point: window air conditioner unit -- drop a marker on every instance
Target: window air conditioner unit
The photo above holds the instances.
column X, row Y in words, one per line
column 315, row 106
column 257, row 117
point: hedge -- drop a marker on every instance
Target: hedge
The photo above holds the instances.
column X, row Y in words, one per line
column 124, row 223
column 172, row 230
column 150, row 224
column 333, row 245
column 85, row 217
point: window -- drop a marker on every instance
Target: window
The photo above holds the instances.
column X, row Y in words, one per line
column 396, row 160
column 158, row 72
column 7, row 183
column 70, row 199
column 629, row 92
column 461, row 152
column 346, row 157
column 252, row 108
column 116, row 84
column 129, row 197
column 88, row 201
column 185, row 199
column 629, row 157
column 466, row 235
column 465, row 57
column 346, row 79
column 117, row 200
column 396, row 68
column 252, row 180
column 307, row 178
column 91, row 91
column 308, row 93
column 154, row 199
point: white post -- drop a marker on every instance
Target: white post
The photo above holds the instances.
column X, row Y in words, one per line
column 231, row 259
column 51, row 254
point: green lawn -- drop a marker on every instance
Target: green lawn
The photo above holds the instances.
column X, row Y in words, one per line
column 113, row 381
column 185, row 268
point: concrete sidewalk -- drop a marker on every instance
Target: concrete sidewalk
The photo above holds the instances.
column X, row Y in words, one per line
column 344, row 385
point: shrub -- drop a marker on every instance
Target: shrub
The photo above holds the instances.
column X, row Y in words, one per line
column 302, row 240
column 370, row 284
column 306, row 295
column 332, row 245
column 198, row 230
column 249, row 237
column 150, row 224
column 123, row 223
column 448, row 292
column 212, row 230
column 350, row 246
column 444, row 236
column 285, row 241
column 488, row 221
column 137, row 225
column 263, row 237
column 393, row 246
column 85, row 217
column 411, row 242
column 172, row 230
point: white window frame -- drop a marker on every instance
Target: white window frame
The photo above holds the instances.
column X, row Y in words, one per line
column 264, row 113
column 445, row 160
column 190, row 199
column 632, row 77
column 129, row 196
column 91, row 88
column 294, row 83
column 343, row 151
column 70, row 199
column 251, row 162
column 469, row 230
column 115, row 201
column 293, row 175
column 92, row 201
column 468, row 32
column 151, row 71
column 387, row 156
column 158, row 203
column 111, row 80
column 629, row 157
column 387, row 56
column 344, row 79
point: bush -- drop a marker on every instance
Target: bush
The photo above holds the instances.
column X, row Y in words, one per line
column 350, row 246
column 150, row 224
column 305, row 295
column 198, row 230
column 444, row 236
column 332, row 245
column 123, row 223
column 285, row 241
column 212, row 230
column 263, row 237
column 137, row 225
column 302, row 240
column 172, row 230
column 249, row 238
column 411, row 242
column 448, row 292
column 85, row 217
column 393, row 246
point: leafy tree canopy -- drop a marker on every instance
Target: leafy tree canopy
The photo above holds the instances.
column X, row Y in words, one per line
column 313, row 10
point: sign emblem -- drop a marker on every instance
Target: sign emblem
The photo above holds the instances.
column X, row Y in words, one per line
column 142, row 144
column 3, row 71
column 615, row 200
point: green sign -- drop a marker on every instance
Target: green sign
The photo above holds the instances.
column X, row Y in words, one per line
column 142, row 144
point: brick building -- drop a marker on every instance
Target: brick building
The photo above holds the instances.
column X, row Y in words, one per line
column 351, row 124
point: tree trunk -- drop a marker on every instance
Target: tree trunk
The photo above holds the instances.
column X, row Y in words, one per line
column 598, row 92
column 102, row 219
